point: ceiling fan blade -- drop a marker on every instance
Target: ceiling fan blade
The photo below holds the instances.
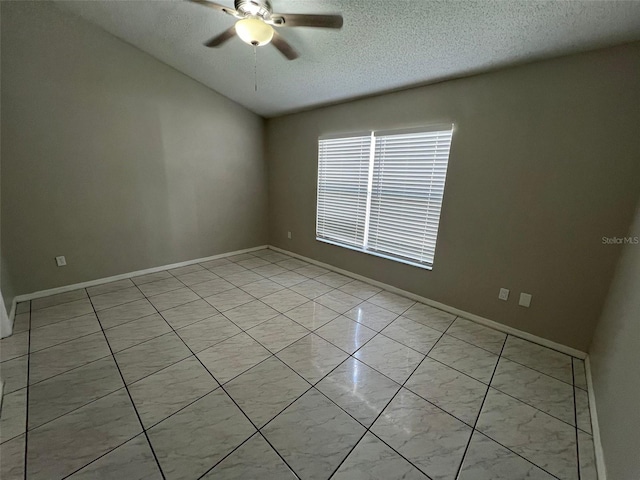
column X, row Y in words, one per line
column 216, row 6
column 223, row 37
column 284, row 47
column 300, row 20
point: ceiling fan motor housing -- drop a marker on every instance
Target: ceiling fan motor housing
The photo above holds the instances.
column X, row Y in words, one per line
column 254, row 8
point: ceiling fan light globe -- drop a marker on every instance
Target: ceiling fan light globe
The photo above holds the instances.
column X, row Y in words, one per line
column 254, row 31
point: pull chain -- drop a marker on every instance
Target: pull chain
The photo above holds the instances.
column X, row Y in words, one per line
column 255, row 67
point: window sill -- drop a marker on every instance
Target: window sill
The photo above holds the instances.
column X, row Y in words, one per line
column 377, row 254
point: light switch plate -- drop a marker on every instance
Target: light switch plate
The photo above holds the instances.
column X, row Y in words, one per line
column 525, row 300
column 61, row 261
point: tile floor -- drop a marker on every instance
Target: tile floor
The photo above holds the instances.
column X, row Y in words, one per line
column 262, row 366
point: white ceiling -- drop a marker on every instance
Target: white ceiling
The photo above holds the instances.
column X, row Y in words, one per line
column 384, row 45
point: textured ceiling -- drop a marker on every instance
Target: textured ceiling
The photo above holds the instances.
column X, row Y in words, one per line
column 384, row 45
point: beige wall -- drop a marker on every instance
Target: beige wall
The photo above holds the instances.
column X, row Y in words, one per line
column 114, row 159
column 544, row 163
column 615, row 360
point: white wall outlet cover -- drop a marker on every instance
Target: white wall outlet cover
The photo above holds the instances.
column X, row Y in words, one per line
column 504, row 294
column 61, row 261
column 289, row 235
column 525, row 300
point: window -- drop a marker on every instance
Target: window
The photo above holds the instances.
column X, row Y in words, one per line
column 381, row 192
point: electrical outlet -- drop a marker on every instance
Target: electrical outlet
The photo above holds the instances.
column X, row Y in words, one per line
column 61, row 261
column 504, row 294
column 289, row 235
column 525, row 300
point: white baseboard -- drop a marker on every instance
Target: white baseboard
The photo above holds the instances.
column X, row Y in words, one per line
column 447, row 308
column 100, row 281
column 595, row 426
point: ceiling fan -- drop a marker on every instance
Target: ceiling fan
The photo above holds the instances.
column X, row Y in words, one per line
column 256, row 21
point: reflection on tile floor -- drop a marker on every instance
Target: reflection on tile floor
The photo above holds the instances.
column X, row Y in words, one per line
column 262, row 366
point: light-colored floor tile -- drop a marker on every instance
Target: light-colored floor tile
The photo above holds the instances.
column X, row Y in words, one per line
column 254, row 459
column 57, row 313
column 172, row 299
column 288, row 278
column 412, row 334
column 277, row 333
column 112, row 299
column 229, row 299
column 160, row 286
column 61, row 394
column 193, row 440
column 61, row 358
column 14, row 346
column 50, row 335
column 21, row 322
column 262, row 288
column 284, row 300
column 313, row 435
column 215, row 263
column 389, row 357
column 149, row 357
column 110, row 287
column 112, row 317
column 270, row 270
column 373, row 460
column 207, row 332
column 199, row 276
column 189, row 313
column 58, row 299
column 579, row 374
column 452, row 391
column 428, row 437
column 311, row 289
column 212, row 287
column 23, row 307
column 338, row 301
column 540, row 438
column 97, row 428
column 587, row 457
column 312, row 315
column 243, row 278
column 539, row 358
column 273, row 256
column 478, row 335
column 311, row 271
column 278, row 386
column 359, row 390
column 487, row 460
column 360, row 289
column 429, row 316
column 186, row 269
column 151, row 277
column 346, row 334
column 333, row 279
column 253, row 262
column 14, row 373
column 312, row 357
column 390, row 301
column 251, row 314
column 12, row 459
column 463, row 356
column 292, row 264
column 229, row 269
column 167, row 391
column 13, row 417
column 535, row 388
column 240, row 257
column 132, row 461
column 582, row 410
column 233, row 356
column 135, row 332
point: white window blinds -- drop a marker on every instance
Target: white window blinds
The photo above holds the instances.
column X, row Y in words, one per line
column 343, row 168
column 381, row 192
column 408, row 185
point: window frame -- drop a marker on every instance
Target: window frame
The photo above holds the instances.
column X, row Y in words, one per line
column 372, row 163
